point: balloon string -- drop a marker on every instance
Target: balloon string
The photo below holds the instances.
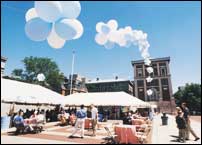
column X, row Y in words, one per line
column 13, row 8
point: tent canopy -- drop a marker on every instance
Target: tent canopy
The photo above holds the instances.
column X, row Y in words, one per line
column 105, row 99
column 20, row 92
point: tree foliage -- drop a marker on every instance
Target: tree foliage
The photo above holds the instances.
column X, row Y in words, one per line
column 36, row 65
column 191, row 94
column 17, row 72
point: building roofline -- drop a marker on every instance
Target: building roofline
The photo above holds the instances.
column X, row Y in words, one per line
column 107, row 81
column 153, row 60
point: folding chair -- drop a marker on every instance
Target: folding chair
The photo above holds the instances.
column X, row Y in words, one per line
column 143, row 135
column 110, row 137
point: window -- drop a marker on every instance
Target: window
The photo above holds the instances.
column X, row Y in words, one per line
column 155, row 94
column 140, row 83
column 155, row 69
column 164, row 82
column 139, row 72
column 141, row 94
column 163, row 69
column 166, row 93
column 154, row 82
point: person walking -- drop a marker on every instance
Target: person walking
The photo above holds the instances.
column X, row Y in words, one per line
column 94, row 116
column 188, row 122
column 181, row 125
column 80, row 122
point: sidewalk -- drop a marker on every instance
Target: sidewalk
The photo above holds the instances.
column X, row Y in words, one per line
column 168, row 134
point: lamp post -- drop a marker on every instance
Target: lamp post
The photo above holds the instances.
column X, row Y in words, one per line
column 73, row 53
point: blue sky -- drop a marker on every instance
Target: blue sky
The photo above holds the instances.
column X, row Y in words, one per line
column 173, row 28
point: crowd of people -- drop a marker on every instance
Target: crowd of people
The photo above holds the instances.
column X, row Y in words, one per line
column 76, row 117
column 26, row 122
column 184, row 123
column 129, row 116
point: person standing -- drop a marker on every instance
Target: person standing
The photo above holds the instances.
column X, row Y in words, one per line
column 181, row 125
column 80, row 122
column 94, row 116
column 188, row 123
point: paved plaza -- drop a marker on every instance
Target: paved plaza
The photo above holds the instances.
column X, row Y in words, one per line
column 55, row 134
column 168, row 134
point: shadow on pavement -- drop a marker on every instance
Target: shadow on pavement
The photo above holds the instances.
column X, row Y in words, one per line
column 175, row 140
column 174, row 136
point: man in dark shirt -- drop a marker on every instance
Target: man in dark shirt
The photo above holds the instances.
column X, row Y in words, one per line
column 127, row 119
column 187, row 119
column 181, row 125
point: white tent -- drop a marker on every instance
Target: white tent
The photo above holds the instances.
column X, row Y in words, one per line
column 20, row 92
column 105, row 99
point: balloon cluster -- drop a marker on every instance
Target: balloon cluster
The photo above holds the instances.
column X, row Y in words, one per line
column 109, row 35
column 55, row 21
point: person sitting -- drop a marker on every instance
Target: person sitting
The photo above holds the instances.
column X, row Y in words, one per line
column 72, row 119
column 20, row 124
column 41, row 117
column 63, row 117
column 34, row 115
column 127, row 119
column 136, row 115
column 18, row 119
column 33, row 118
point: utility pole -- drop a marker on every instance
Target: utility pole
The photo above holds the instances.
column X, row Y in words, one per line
column 73, row 53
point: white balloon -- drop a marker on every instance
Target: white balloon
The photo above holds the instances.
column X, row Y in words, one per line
column 31, row 13
column 99, row 26
column 54, row 40
column 41, row 77
column 105, row 29
column 128, row 44
column 149, row 79
column 113, row 36
column 145, row 54
column 74, row 24
column 149, row 92
column 66, row 29
column 70, row 9
column 100, row 38
column 112, row 24
column 37, row 29
column 150, row 69
column 109, row 45
column 147, row 61
column 49, row 11
column 78, row 26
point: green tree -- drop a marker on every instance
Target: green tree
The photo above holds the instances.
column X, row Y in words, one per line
column 191, row 94
column 36, row 65
column 17, row 72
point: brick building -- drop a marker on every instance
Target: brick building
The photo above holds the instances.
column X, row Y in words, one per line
column 78, row 85
column 161, row 84
column 112, row 85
